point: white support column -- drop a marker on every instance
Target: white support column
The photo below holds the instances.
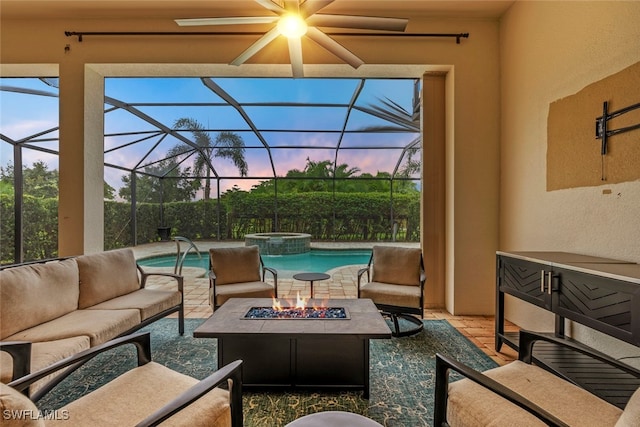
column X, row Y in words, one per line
column 93, row 161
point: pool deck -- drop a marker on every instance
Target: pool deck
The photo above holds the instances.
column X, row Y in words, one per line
column 342, row 284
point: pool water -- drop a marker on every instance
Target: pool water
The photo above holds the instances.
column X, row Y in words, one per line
column 317, row 261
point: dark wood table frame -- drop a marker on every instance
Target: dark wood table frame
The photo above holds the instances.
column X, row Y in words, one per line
column 297, row 353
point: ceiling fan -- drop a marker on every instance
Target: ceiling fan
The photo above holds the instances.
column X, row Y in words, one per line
column 296, row 18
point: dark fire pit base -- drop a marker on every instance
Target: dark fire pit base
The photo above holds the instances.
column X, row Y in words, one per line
column 298, row 362
column 305, row 353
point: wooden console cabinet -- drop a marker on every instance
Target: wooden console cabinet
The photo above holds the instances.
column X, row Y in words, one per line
column 600, row 293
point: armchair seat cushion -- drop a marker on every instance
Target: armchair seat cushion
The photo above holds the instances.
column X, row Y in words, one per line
column 99, row 325
column 128, row 399
column 391, row 294
column 470, row 404
column 255, row 289
column 149, row 301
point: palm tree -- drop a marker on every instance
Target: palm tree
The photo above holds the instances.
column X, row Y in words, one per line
column 227, row 145
column 401, row 119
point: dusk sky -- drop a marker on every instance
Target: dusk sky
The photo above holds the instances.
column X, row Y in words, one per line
column 24, row 115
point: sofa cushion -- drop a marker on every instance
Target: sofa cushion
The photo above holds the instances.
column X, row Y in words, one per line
column 149, row 301
column 235, row 265
column 16, row 410
column 44, row 354
column 471, row 404
column 138, row 393
column 99, row 325
column 36, row 293
column 106, row 275
column 397, row 265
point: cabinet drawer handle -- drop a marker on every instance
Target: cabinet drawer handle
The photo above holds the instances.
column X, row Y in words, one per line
column 542, row 274
column 549, row 281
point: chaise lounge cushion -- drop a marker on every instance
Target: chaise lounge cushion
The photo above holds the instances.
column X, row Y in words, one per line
column 470, row 404
column 149, row 301
column 99, row 325
column 106, row 275
column 126, row 400
column 34, row 294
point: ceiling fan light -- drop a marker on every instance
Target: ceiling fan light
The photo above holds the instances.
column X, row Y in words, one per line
column 292, row 26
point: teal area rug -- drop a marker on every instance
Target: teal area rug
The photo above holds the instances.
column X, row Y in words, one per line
column 402, row 376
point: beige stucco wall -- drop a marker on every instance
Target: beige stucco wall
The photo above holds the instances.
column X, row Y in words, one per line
column 472, row 120
column 550, row 50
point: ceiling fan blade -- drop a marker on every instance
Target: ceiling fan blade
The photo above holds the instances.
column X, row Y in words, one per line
column 309, row 7
column 358, row 22
column 295, row 56
column 271, row 35
column 334, row 47
column 230, row 20
column 273, row 7
column 292, row 6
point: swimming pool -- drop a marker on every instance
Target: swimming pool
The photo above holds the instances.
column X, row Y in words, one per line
column 316, row 260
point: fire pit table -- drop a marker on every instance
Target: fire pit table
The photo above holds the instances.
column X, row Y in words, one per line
column 290, row 352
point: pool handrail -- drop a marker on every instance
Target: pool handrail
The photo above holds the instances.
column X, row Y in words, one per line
column 177, row 269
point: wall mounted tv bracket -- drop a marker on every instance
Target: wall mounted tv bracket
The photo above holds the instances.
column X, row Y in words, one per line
column 603, row 132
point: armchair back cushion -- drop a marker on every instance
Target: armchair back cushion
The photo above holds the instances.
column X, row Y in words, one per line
column 36, row 293
column 106, row 275
column 631, row 415
column 17, row 410
column 396, row 265
column 235, row 265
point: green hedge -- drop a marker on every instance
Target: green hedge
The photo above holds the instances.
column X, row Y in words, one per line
column 324, row 215
column 40, row 228
column 343, row 216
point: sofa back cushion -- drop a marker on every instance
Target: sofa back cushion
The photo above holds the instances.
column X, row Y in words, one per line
column 36, row 293
column 106, row 275
column 396, row 265
column 235, row 265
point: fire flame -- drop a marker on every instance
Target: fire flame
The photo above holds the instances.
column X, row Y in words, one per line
column 301, row 303
column 276, row 304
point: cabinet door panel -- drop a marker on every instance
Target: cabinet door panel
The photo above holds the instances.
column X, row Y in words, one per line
column 522, row 279
column 598, row 302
